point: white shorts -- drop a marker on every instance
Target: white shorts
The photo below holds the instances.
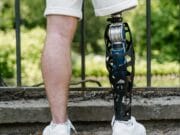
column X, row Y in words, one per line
column 74, row 7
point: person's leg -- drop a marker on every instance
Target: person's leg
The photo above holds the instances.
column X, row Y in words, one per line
column 62, row 16
column 56, row 63
column 120, row 78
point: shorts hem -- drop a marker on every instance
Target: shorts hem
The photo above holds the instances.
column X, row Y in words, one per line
column 62, row 11
column 126, row 5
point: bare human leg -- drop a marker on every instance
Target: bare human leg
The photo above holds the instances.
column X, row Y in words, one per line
column 56, row 63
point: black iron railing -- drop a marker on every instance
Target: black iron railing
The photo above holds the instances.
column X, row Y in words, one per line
column 148, row 37
column 83, row 72
column 18, row 41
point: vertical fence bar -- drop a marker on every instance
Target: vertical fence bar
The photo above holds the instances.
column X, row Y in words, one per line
column 82, row 44
column 18, row 42
column 148, row 37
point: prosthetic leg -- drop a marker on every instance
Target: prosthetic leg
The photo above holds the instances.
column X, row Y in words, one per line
column 120, row 60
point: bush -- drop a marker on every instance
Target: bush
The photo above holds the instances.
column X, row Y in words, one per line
column 31, row 47
column 7, row 54
column 165, row 30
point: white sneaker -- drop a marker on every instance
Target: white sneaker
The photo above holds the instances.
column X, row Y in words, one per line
column 59, row 129
column 131, row 127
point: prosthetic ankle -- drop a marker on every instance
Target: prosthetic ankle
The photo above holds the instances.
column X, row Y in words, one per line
column 120, row 64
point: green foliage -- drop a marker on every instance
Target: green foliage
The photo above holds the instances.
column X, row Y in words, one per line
column 94, row 31
column 95, row 66
column 30, row 54
column 165, row 30
column 31, row 13
column 6, row 14
column 166, row 38
column 7, row 54
column 157, row 68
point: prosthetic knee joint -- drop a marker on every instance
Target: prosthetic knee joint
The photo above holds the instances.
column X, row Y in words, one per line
column 120, row 64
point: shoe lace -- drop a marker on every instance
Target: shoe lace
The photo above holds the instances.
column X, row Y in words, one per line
column 72, row 127
column 113, row 121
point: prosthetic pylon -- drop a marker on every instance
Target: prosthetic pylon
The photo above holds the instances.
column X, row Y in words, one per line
column 120, row 60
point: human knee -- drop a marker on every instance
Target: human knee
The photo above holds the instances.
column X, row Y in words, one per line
column 60, row 26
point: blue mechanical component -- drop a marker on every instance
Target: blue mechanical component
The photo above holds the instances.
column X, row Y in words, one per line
column 117, row 52
column 120, row 64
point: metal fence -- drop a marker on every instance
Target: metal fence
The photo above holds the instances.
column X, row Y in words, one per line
column 82, row 44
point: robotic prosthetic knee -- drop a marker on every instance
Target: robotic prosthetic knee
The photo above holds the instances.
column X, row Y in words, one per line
column 120, row 62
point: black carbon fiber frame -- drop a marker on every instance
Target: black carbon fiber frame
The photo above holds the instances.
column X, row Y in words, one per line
column 121, row 85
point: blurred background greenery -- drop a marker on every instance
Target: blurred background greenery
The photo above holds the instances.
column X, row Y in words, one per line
column 165, row 42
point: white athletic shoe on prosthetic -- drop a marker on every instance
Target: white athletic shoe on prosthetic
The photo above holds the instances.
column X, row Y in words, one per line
column 59, row 129
column 130, row 127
